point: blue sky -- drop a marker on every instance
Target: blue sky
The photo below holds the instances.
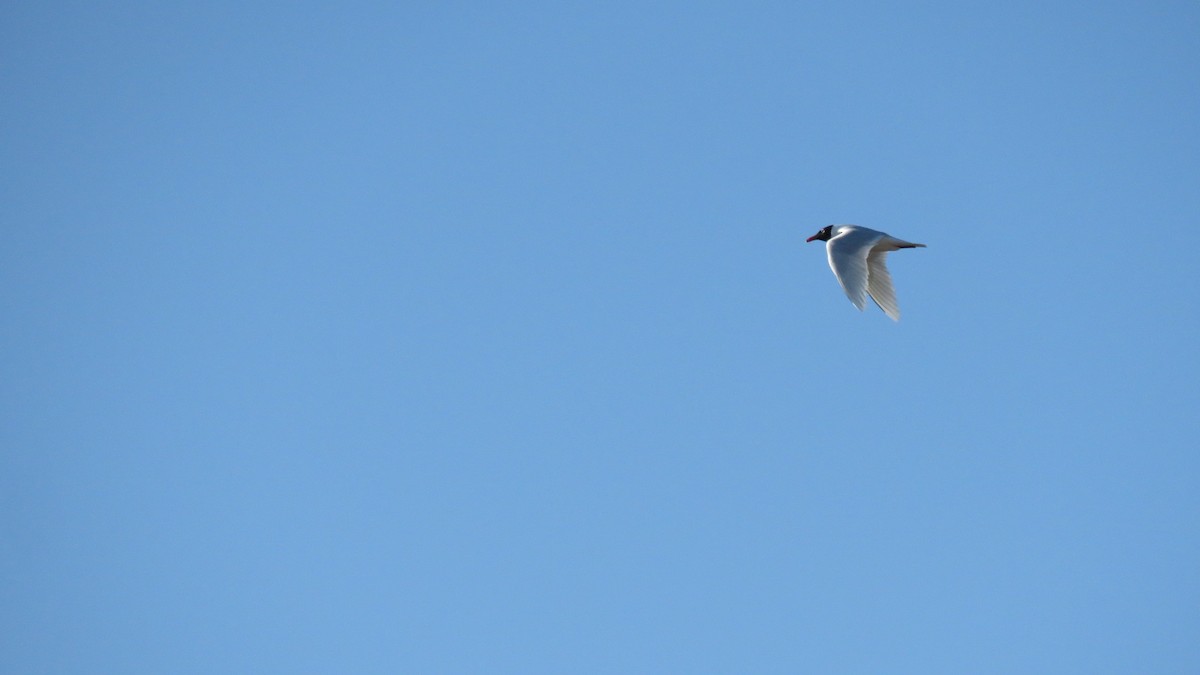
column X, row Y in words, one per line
column 483, row 337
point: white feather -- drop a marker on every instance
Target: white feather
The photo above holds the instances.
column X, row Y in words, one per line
column 858, row 256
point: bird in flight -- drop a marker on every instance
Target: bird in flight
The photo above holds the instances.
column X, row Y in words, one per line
column 857, row 256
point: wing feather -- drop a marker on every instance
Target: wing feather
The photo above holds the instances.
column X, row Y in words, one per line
column 879, row 283
column 848, row 251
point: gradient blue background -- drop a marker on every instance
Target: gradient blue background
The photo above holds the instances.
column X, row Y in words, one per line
column 478, row 337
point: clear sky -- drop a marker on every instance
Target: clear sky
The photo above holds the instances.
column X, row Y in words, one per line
column 482, row 337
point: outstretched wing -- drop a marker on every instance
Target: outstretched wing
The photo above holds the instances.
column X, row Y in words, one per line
column 848, row 251
column 879, row 283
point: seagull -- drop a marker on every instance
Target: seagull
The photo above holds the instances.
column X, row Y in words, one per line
column 857, row 255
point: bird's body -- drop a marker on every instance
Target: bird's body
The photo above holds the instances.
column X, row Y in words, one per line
column 857, row 256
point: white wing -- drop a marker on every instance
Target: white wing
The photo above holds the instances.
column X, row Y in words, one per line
column 848, row 251
column 879, row 283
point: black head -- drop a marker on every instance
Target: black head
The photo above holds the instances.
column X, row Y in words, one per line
column 824, row 235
